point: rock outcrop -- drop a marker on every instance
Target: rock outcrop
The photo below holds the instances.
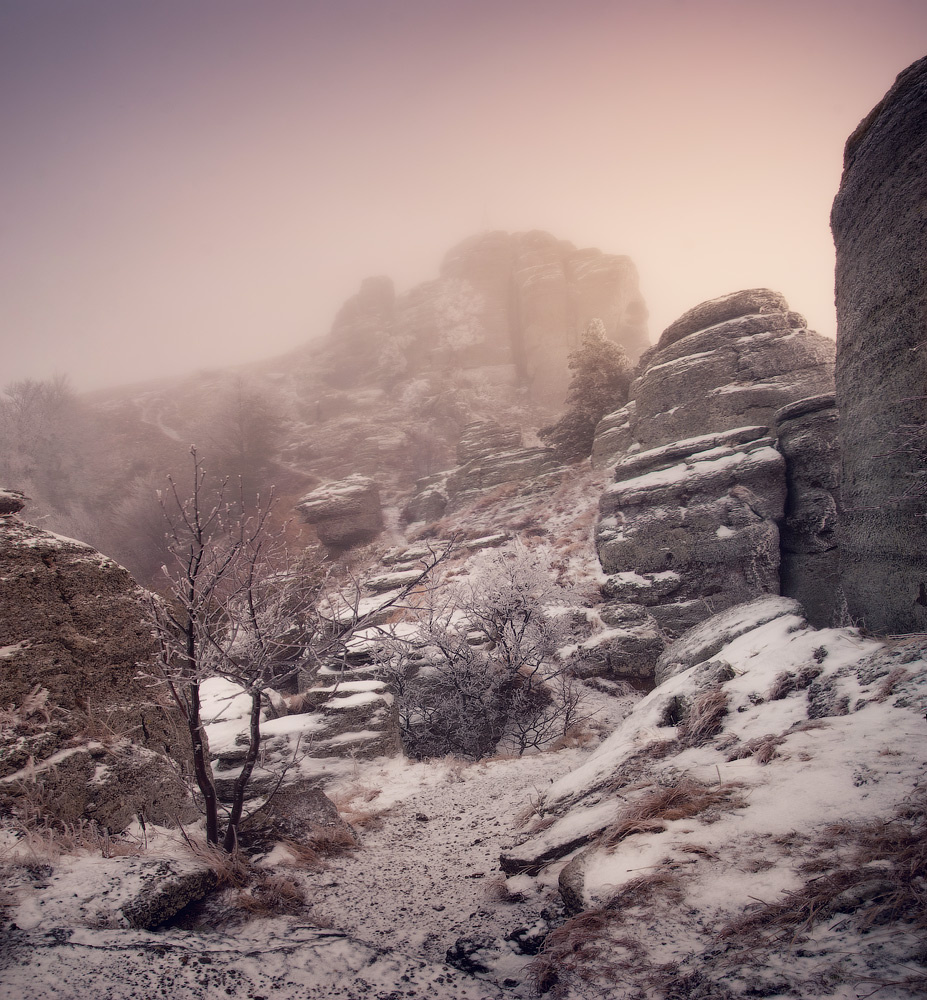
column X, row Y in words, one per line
column 345, row 513
column 730, row 362
column 806, row 434
column 503, row 301
column 691, row 524
column 691, row 528
column 489, row 457
column 85, row 735
column 881, row 242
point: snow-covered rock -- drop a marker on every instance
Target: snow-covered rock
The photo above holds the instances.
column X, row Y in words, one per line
column 344, row 513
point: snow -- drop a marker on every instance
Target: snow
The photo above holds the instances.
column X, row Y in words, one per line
column 355, row 700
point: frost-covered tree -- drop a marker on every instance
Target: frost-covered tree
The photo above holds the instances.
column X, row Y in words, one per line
column 238, row 606
column 600, row 383
column 485, row 671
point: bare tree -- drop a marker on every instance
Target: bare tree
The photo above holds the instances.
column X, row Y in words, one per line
column 239, row 606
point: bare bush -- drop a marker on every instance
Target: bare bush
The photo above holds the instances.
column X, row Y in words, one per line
column 485, row 675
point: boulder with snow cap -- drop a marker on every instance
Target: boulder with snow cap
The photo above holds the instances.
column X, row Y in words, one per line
column 703, row 641
column 728, row 363
column 345, row 513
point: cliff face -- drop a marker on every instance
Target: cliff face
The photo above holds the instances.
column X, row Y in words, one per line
column 502, row 301
column 881, row 241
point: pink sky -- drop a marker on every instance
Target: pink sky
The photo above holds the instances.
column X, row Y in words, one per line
column 189, row 183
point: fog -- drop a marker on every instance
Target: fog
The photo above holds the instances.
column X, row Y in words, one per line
column 194, row 184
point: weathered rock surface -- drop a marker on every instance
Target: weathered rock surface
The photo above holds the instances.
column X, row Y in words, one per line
column 297, row 812
column 167, row 886
column 483, row 437
column 614, row 434
column 696, row 522
column 345, row 513
column 881, row 242
column 73, row 633
column 11, row 502
column 746, row 303
column 702, row 642
column 806, row 434
column 468, row 481
column 728, row 363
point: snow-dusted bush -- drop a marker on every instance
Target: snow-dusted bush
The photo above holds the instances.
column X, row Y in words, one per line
column 490, row 677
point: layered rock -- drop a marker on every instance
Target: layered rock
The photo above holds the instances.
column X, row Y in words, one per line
column 483, row 437
column 691, row 528
column 344, row 513
column 489, row 457
column 881, row 294
column 729, row 362
column 806, row 434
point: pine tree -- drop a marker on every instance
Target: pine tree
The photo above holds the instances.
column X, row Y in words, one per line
column 600, row 383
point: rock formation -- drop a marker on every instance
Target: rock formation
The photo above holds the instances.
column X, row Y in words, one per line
column 489, row 455
column 806, row 434
column 881, row 241
column 730, row 362
column 691, row 524
column 690, row 529
column 503, row 301
column 87, row 735
column 345, row 513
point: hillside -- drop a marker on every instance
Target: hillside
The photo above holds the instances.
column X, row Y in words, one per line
column 517, row 721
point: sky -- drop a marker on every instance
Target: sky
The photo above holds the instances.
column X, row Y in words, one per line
column 194, row 183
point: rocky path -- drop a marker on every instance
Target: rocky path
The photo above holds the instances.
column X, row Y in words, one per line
column 380, row 921
column 429, row 877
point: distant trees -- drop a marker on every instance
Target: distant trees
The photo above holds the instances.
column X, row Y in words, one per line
column 601, row 379
column 244, row 430
column 486, row 673
column 43, row 448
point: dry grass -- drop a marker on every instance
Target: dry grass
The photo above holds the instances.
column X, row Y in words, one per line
column 496, row 890
column 272, row 894
column 704, row 719
column 650, row 811
column 41, row 839
column 763, row 749
column 601, row 945
column 790, row 680
column 876, row 872
column 888, row 685
column 640, row 891
column 230, row 868
column 584, row 950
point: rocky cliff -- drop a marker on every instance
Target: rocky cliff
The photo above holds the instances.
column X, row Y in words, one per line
column 691, row 523
column 881, row 241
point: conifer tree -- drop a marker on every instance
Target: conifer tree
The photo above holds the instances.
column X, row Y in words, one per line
column 600, row 383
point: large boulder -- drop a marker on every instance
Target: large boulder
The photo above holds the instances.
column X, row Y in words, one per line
column 728, row 363
column 345, row 513
column 83, row 734
column 806, row 434
column 881, row 294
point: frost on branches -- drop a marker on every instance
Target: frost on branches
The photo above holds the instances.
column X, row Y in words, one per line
column 481, row 673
